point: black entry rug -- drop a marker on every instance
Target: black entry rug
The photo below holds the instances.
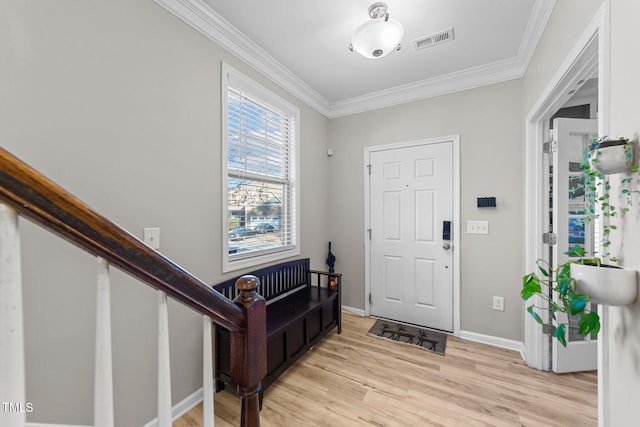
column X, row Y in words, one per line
column 426, row 339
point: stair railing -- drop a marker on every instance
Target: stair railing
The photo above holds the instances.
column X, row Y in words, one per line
column 26, row 192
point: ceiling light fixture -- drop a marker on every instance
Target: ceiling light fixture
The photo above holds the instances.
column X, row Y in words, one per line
column 378, row 37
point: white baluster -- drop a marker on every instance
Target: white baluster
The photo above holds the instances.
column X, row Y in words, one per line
column 12, row 371
column 103, row 386
column 207, row 374
column 164, row 367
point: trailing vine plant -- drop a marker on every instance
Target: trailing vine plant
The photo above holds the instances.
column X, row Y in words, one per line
column 598, row 204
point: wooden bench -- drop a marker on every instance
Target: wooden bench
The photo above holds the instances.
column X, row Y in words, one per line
column 303, row 306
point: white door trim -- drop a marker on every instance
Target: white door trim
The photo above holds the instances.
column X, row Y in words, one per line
column 593, row 47
column 455, row 141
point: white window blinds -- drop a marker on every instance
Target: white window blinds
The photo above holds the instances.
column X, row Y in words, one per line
column 261, row 221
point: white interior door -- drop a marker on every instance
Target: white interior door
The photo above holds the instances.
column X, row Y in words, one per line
column 411, row 197
column 570, row 137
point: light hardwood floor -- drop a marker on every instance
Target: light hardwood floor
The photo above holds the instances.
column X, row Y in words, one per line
column 354, row 379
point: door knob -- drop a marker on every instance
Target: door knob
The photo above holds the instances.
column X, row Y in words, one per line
column 446, row 246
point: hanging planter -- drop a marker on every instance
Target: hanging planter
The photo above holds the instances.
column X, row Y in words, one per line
column 605, row 284
column 602, row 158
column 612, row 156
column 576, row 283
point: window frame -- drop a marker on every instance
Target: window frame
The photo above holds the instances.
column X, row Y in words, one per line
column 239, row 81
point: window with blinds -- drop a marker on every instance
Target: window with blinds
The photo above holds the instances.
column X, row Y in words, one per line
column 259, row 166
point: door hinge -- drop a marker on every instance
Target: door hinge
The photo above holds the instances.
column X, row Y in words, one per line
column 369, row 231
column 548, row 329
column 370, row 299
column 550, row 147
column 549, row 239
column 369, row 167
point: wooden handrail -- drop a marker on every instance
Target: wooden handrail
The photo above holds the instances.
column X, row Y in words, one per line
column 44, row 202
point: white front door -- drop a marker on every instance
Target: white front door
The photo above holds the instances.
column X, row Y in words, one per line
column 570, row 137
column 411, row 265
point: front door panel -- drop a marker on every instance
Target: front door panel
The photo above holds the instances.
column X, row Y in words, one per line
column 411, row 270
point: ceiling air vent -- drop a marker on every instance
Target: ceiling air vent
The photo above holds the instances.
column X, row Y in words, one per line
column 433, row 39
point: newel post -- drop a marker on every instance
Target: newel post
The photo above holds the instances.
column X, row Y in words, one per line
column 249, row 350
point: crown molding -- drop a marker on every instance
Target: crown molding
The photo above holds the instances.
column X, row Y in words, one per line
column 538, row 19
column 470, row 78
column 201, row 17
column 205, row 20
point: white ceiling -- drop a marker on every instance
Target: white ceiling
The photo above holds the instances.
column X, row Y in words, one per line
column 303, row 46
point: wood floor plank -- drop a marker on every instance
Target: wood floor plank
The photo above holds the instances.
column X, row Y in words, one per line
column 354, row 379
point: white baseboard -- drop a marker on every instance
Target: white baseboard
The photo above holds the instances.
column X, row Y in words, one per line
column 357, row 311
column 522, row 352
column 494, row 341
column 181, row 408
column 178, row 410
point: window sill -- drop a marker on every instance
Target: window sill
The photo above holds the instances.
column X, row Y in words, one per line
column 242, row 263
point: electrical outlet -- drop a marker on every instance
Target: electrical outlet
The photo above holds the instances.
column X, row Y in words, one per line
column 478, row 227
column 498, row 303
column 151, row 236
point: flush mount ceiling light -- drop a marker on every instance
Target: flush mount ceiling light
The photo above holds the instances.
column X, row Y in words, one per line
column 378, row 37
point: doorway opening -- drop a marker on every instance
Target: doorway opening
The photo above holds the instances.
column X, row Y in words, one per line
column 588, row 59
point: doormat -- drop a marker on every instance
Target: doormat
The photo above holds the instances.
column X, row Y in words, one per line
column 426, row 339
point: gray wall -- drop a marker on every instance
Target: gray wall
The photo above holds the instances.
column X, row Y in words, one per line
column 567, row 23
column 489, row 121
column 119, row 102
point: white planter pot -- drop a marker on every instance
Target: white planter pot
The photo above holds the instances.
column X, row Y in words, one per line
column 606, row 284
column 613, row 159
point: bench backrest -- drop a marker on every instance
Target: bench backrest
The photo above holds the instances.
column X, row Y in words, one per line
column 275, row 280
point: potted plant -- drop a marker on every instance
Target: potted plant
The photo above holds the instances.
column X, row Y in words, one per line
column 577, row 283
column 608, row 284
column 601, row 158
column 569, row 300
column 583, row 280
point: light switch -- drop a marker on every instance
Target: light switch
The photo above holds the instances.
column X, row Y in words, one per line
column 151, row 236
column 478, row 227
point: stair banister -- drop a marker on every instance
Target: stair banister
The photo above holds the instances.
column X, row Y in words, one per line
column 32, row 195
column 36, row 197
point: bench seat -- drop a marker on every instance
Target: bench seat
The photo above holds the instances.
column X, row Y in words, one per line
column 295, row 307
column 302, row 308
